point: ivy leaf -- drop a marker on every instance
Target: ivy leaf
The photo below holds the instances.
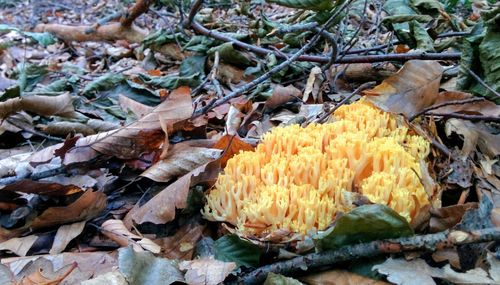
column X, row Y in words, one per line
column 364, row 224
column 232, row 248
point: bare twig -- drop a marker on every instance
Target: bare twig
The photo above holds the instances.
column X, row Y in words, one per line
column 467, row 117
column 314, row 261
column 139, row 8
column 274, row 70
column 192, row 13
column 346, row 99
column 437, row 106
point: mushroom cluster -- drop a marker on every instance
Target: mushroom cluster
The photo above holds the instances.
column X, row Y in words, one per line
column 299, row 179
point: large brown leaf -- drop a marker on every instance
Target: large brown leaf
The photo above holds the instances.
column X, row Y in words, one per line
column 413, row 88
column 161, row 208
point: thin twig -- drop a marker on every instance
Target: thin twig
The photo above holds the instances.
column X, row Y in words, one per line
column 273, row 71
column 480, row 81
column 314, row 261
column 437, row 106
column 346, row 99
column 192, row 13
column 467, row 117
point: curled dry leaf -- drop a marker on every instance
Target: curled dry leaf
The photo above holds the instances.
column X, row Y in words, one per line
column 116, row 230
column 181, row 158
column 206, row 271
column 42, row 188
column 413, row 88
column 313, row 84
column 447, row 217
column 61, row 105
column 485, row 107
column 65, row 128
column 161, row 208
column 474, row 135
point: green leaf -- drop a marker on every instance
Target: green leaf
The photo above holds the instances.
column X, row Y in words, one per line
column 104, row 82
column 171, row 81
column 192, row 65
column 489, row 55
column 363, row 224
column 232, row 248
column 428, row 7
column 317, row 5
column 424, row 42
column 277, row 279
column 144, row 268
column 45, row 39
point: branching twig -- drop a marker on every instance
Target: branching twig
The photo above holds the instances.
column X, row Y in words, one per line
column 274, row 70
column 313, row 261
column 437, row 106
column 192, row 13
column 467, row 117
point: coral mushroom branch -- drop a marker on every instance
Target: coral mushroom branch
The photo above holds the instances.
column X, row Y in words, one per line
column 429, row 242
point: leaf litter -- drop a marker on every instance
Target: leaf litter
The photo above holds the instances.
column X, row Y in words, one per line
column 115, row 126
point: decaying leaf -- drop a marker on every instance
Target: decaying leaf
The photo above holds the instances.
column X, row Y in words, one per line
column 116, row 230
column 181, row 245
column 138, row 109
column 65, row 234
column 206, row 271
column 113, row 277
column 145, row 268
column 181, row 158
column 447, row 217
column 474, row 135
column 161, row 208
column 19, row 246
column 61, row 105
column 282, row 95
column 231, row 145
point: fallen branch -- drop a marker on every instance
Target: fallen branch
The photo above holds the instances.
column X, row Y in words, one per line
column 123, row 30
column 430, row 242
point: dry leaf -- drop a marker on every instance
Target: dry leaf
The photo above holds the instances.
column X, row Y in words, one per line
column 19, row 246
column 88, row 206
column 128, row 105
column 339, row 277
column 61, row 105
column 281, row 96
column 474, row 135
column 414, row 87
column 231, row 145
column 161, row 208
column 181, row 159
column 112, row 278
column 485, row 107
column 447, row 217
column 64, row 128
column 206, row 271
column 42, row 188
column 181, row 245
column 41, row 271
column 116, row 230
column 313, row 84
column 233, row 120
column 65, row 234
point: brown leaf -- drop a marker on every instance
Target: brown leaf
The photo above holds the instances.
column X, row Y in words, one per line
column 161, row 208
column 61, row 105
column 65, row 128
column 206, row 271
column 181, row 159
column 447, row 217
column 19, row 246
column 181, row 245
column 339, row 277
column 313, row 86
column 42, row 188
column 485, row 107
column 474, row 135
column 116, row 230
column 129, row 105
column 42, row 272
column 282, row 95
column 231, row 145
column 413, row 88
column 65, row 234
column 88, row 206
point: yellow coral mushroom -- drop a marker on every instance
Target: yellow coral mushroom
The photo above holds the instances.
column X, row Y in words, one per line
column 299, row 179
